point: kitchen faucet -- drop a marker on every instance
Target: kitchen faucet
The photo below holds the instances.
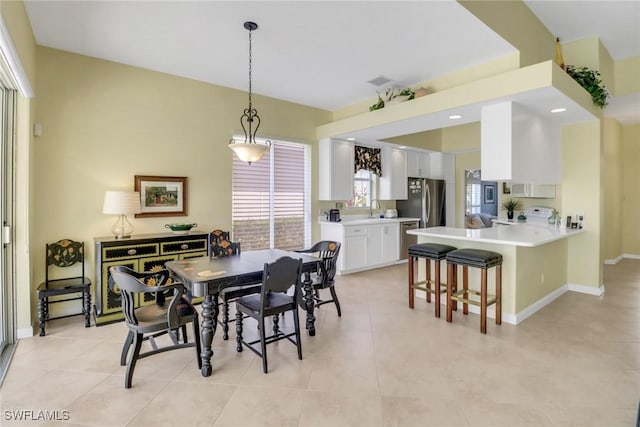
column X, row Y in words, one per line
column 371, row 207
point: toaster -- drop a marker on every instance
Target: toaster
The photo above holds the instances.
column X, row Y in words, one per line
column 391, row 213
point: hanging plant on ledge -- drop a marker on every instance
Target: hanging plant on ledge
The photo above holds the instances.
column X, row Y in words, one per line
column 590, row 80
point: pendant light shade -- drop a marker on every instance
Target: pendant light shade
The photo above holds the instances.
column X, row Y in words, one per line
column 249, row 150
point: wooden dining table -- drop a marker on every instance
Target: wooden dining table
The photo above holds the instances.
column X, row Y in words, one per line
column 206, row 277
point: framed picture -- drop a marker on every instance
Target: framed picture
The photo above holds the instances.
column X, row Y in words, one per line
column 506, row 188
column 161, row 195
column 489, row 194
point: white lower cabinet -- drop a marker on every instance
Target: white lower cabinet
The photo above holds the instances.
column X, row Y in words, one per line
column 364, row 246
column 354, row 247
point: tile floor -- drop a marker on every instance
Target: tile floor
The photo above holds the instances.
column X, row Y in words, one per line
column 574, row 363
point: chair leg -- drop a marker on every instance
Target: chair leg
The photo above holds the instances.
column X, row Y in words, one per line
column 196, row 337
column 450, row 286
column 332, row 289
column 125, row 348
column 137, row 343
column 276, row 324
column 428, row 279
column 499, row 294
column 465, row 287
column 436, row 287
column 238, row 331
column 483, row 301
column 411, row 280
column 263, row 345
column 296, row 325
column 86, row 299
column 42, row 315
column 225, row 320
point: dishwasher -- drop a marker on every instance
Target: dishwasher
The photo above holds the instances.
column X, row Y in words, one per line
column 407, row 240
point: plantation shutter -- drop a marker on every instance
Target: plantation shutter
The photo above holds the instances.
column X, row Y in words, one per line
column 251, row 203
column 288, row 198
column 269, row 199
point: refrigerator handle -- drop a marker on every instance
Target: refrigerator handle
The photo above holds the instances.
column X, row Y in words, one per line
column 428, row 202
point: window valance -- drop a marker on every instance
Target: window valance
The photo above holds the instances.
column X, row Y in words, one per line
column 368, row 158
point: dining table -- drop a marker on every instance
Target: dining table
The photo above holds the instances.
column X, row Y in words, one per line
column 207, row 276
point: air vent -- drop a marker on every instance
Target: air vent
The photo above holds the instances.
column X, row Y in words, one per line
column 379, row 81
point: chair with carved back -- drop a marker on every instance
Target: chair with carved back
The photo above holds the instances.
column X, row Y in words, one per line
column 220, row 245
column 278, row 277
column 64, row 256
column 325, row 278
column 170, row 312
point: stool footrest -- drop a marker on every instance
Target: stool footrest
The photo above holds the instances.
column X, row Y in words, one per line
column 458, row 296
column 422, row 286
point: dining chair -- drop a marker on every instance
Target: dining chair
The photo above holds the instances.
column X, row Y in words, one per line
column 61, row 257
column 328, row 251
column 277, row 278
column 221, row 246
column 170, row 313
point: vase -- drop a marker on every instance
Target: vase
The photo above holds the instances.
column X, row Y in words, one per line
column 510, row 215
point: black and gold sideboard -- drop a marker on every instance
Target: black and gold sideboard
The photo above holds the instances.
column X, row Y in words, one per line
column 144, row 252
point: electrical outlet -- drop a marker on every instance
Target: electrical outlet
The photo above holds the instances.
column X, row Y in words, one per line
column 542, row 279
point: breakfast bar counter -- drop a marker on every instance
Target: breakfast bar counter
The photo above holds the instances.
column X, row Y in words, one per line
column 534, row 269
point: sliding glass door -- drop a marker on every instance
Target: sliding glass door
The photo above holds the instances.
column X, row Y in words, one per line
column 7, row 126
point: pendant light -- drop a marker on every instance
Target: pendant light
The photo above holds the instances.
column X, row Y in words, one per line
column 249, row 150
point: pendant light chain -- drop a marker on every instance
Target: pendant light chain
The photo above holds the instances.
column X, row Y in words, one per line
column 250, row 62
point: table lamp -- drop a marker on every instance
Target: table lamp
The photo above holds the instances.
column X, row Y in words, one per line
column 121, row 203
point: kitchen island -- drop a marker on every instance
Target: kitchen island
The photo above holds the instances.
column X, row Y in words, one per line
column 534, row 269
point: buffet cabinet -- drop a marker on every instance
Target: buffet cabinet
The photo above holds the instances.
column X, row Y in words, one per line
column 146, row 252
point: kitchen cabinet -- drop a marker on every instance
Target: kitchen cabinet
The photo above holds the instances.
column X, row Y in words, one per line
column 519, row 146
column 533, row 190
column 393, row 182
column 364, row 246
column 336, row 169
column 140, row 253
column 418, row 164
column 354, row 247
column 436, row 166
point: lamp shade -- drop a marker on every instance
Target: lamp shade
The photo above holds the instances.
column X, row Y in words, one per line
column 121, row 202
column 248, row 152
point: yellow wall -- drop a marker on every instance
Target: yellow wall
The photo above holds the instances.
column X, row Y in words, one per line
column 582, row 192
column 517, row 24
column 612, row 175
column 626, row 76
column 630, row 185
column 430, row 140
column 15, row 19
column 106, row 122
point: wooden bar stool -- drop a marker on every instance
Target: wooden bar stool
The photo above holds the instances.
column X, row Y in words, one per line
column 476, row 258
column 428, row 251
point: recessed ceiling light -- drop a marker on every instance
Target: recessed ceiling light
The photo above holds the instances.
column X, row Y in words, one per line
column 455, row 117
column 402, row 147
column 558, row 110
column 351, row 139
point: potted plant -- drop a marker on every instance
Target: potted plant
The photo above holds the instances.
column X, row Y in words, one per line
column 590, row 80
column 511, row 205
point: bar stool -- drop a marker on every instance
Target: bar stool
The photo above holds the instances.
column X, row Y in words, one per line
column 479, row 259
column 429, row 251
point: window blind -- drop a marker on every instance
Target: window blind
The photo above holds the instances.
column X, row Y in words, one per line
column 269, row 199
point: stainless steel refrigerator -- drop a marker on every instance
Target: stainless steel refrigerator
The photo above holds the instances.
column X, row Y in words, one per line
column 426, row 200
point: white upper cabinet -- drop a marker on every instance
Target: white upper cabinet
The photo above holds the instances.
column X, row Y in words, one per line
column 418, row 164
column 519, row 146
column 335, row 169
column 436, row 166
column 393, row 182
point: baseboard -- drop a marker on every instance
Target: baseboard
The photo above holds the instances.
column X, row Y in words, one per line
column 631, row 256
column 24, row 333
column 589, row 290
column 538, row 305
column 614, row 260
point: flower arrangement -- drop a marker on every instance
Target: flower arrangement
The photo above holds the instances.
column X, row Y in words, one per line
column 393, row 96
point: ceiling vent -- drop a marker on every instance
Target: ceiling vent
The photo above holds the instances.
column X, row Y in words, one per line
column 379, row 81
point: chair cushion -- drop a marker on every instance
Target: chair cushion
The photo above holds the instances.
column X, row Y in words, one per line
column 430, row 250
column 474, row 258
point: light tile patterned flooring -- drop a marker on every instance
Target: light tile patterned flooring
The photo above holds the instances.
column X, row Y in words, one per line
column 574, row 363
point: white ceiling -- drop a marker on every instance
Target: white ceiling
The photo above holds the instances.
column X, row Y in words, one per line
column 316, row 53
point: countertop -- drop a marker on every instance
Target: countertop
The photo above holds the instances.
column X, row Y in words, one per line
column 364, row 221
column 517, row 235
